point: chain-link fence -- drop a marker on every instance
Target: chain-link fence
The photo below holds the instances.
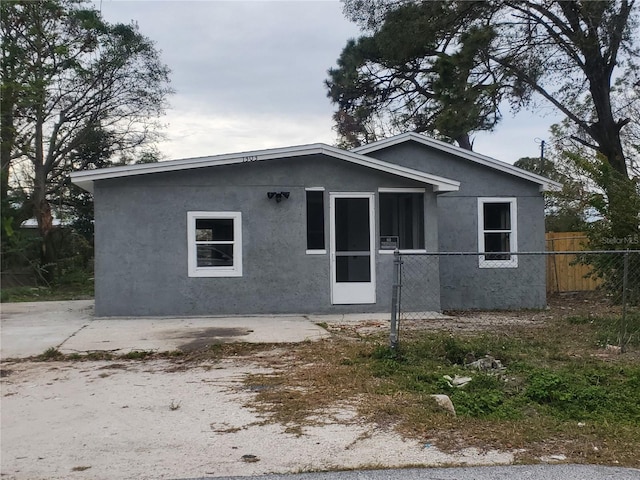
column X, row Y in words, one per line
column 426, row 284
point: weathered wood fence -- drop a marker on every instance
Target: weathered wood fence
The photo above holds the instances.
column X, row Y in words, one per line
column 564, row 274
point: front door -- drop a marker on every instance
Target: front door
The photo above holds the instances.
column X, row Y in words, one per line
column 352, row 248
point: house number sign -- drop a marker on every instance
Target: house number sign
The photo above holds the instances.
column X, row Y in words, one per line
column 250, row 158
column 389, row 243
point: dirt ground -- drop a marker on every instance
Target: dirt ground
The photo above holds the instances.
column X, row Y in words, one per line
column 157, row 419
column 113, row 419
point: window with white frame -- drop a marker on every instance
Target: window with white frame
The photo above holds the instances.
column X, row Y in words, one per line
column 214, row 244
column 401, row 212
column 497, row 232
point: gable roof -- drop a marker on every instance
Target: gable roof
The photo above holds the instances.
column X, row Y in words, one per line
column 85, row 179
column 545, row 183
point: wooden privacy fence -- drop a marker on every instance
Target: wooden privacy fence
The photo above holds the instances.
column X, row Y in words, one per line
column 564, row 274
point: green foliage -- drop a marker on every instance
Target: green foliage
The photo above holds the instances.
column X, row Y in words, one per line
column 51, row 353
column 591, row 392
column 76, row 291
column 72, row 85
column 615, row 199
column 443, row 67
column 389, row 82
column 565, row 210
column 483, row 397
column 537, row 380
column 608, row 328
column 138, row 354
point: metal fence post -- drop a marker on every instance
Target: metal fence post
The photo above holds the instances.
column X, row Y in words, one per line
column 395, row 300
column 622, row 335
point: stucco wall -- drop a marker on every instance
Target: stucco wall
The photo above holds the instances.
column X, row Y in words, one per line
column 141, row 239
column 463, row 284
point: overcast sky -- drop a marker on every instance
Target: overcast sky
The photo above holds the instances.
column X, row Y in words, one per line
column 250, row 75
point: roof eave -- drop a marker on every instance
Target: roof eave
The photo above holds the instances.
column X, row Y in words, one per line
column 545, row 183
column 85, row 179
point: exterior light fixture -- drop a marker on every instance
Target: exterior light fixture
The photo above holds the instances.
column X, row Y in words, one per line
column 277, row 195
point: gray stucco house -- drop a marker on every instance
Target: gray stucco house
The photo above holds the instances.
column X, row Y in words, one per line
column 312, row 229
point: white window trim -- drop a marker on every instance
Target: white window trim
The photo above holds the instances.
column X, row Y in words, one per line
column 401, row 190
column 319, row 251
column 192, row 251
column 513, row 237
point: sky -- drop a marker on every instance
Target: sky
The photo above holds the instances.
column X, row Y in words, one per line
column 249, row 75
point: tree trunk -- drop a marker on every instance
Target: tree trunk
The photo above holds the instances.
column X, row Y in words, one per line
column 7, row 134
column 607, row 135
column 606, row 131
column 5, row 156
column 464, row 141
column 41, row 207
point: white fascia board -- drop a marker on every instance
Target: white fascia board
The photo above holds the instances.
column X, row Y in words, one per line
column 440, row 184
column 86, row 178
column 545, row 183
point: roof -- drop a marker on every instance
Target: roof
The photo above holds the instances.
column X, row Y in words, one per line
column 85, row 179
column 545, row 183
column 33, row 223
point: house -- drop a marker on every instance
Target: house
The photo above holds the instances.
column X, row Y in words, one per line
column 312, row 229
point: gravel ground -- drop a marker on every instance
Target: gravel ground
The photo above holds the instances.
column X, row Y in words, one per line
column 127, row 419
column 153, row 419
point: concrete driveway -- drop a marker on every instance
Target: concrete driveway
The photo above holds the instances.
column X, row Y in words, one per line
column 30, row 328
column 162, row 418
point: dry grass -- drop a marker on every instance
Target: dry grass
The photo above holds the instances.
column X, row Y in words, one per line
column 353, row 377
column 349, row 373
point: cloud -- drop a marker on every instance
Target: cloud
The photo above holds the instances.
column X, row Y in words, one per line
column 196, row 135
column 250, row 75
column 244, row 56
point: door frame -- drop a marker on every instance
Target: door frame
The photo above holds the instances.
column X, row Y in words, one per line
column 366, row 291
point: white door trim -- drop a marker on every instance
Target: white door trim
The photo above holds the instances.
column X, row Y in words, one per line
column 352, row 292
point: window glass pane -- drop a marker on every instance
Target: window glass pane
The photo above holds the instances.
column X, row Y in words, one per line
column 353, row 269
column 388, row 214
column 497, row 216
column 215, row 255
column 497, row 242
column 402, row 216
column 315, row 220
column 352, row 224
column 214, row 229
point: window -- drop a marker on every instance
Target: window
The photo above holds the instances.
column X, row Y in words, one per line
column 401, row 219
column 315, row 221
column 497, row 232
column 215, row 244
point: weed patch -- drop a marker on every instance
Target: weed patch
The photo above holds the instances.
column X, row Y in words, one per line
column 138, row 354
column 606, row 329
column 51, row 353
column 558, row 393
column 80, row 290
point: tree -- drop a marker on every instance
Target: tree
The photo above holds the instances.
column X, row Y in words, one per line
column 565, row 210
column 560, row 53
column 75, row 205
column 417, row 71
column 66, row 75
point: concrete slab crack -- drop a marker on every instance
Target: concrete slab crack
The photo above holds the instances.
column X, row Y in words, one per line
column 71, row 336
